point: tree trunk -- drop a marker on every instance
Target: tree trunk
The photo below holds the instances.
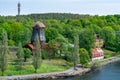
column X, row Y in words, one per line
column 25, row 59
column 2, row 73
column 35, row 70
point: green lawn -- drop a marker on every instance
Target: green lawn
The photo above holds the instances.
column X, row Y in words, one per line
column 47, row 66
column 109, row 53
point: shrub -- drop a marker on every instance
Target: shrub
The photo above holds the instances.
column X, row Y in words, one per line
column 84, row 56
column 27, row 53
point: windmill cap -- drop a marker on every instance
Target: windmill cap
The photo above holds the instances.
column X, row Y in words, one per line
column 38, row 24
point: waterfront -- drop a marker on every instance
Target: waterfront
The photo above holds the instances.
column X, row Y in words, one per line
column 110, row 63
column 108, row 72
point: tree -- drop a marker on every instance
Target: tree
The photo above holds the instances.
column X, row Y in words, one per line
column 16, row 31
column 23, row 36
column 75, row 23
column 20, row 55
column 62, row 42
column 117, row 41
column 59, row 45
column 85, row 22
column 86, row 39
column 84, row 57
column 37, row 58
column 53, row 46
column 95, row 28
column 68, row 32
column 108, row 34
column 76, row 50
column 51, row 33
column 3, row 52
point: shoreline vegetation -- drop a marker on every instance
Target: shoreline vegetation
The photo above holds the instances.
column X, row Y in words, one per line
column 69, row 37
column 52, row 75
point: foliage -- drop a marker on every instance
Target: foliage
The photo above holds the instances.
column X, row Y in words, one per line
column 25, row 36
column 3, row 52
column 60, row 31
column 61, row 24
column 47, row 66
column 117, row 42
column 45, row 54
column 76, row 51
column 51, row 33
column 84, row 57
column 108, row 53
column 37, row 54
column 108, row 35
column 11, row 42
column 58, row 44
column 58, row 16
column 64, row 26
column 95, row 65
column 20, row 55
column 86, row 39
column 68, row 55
column 27, row 53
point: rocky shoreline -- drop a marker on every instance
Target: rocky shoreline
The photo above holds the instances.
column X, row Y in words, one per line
column 68, row 73
column 110, row 60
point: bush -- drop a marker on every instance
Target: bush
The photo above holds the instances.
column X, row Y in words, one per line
column 11, row 42
column 45, row 54
column 84, row 56
column 27, row 53
column 68, row 56
column 95, row 65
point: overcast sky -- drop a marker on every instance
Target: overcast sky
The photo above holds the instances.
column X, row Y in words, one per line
column 92, row 7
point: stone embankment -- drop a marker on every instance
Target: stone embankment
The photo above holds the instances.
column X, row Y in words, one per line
column 68, row 73
column 110, row 60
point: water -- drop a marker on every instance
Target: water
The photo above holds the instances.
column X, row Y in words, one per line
column 108, row 72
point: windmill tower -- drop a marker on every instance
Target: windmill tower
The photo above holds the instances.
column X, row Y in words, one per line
column 38, row 28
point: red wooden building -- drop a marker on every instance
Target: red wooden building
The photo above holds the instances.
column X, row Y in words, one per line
column 97, row 52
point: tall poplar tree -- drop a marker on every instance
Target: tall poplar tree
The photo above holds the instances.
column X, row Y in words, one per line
column 37, row 54
column 76, row 50
column 3, row 52
column 20, row 56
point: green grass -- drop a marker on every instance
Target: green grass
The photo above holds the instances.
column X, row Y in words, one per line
column 47, row 66
column 109, row 53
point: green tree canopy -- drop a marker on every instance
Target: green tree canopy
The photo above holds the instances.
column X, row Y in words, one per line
column 3, row 52
column 84, row 56
column 86, row 39
column 108, row 34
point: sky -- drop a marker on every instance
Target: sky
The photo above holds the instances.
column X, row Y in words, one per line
column 91, row 7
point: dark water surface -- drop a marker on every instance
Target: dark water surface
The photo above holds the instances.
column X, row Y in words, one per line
column 108, row 72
